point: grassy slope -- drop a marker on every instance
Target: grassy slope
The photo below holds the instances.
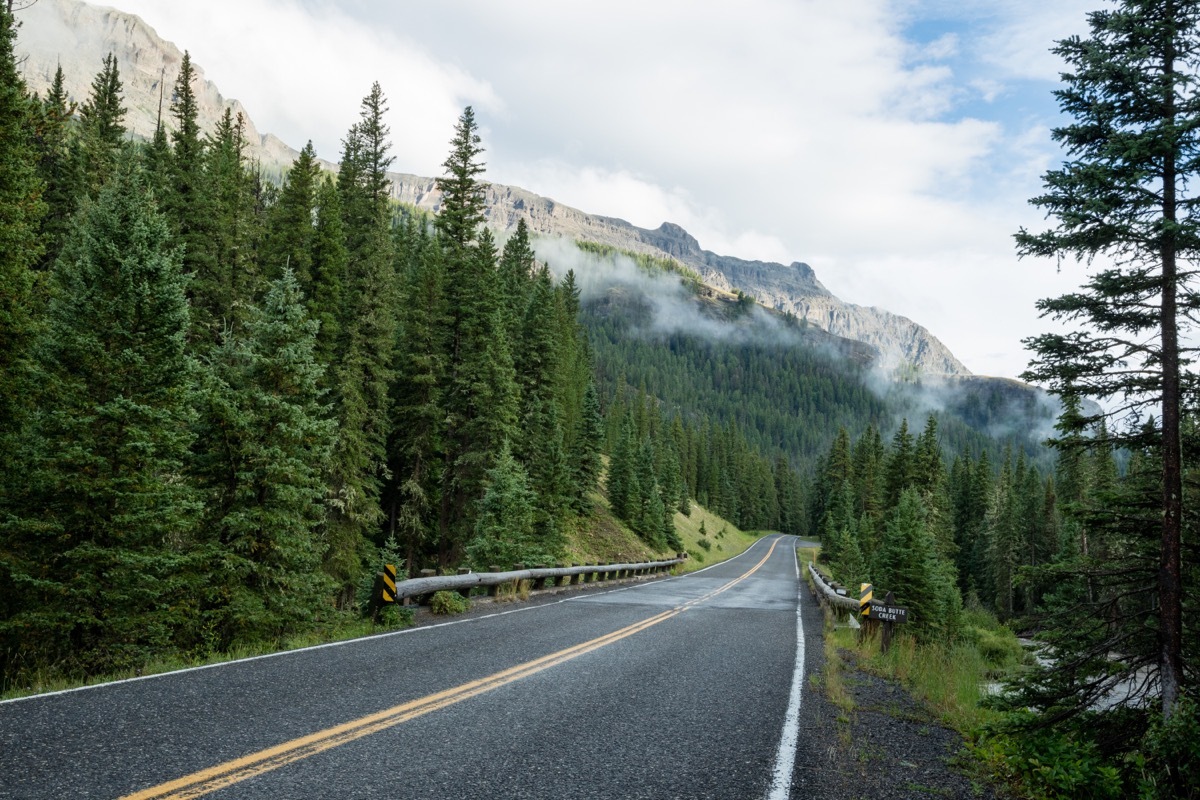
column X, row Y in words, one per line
column 601, row 537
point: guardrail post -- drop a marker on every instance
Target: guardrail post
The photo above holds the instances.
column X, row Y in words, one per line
column 426, row 598
column 495, row 587
column 539, row 582
column 466, row 591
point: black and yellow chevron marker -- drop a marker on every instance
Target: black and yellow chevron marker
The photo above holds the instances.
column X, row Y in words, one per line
column 865, row 593
column 389, row 583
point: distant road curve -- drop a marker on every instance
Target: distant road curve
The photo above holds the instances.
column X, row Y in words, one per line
column 685, row 687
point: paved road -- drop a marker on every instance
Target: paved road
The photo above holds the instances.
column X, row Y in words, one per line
column 674, row 688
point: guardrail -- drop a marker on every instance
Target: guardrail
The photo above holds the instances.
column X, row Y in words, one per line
column 830, row 592
column 834, row 595
column 424, row 587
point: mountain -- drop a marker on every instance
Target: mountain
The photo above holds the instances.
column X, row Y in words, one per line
column 77, row 36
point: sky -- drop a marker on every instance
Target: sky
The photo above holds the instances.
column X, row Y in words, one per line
column 890, row 144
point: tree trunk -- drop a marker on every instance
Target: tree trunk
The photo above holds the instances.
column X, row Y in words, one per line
column 1170, row 598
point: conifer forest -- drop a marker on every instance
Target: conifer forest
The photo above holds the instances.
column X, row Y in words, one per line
column 226, row 401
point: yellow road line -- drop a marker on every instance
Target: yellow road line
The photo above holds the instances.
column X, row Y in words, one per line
column 239, row 769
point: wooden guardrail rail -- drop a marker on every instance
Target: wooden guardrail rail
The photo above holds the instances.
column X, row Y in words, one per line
column 829, row 592
column 539, row 577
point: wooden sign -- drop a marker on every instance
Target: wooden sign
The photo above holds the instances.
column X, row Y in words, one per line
column 887, row 613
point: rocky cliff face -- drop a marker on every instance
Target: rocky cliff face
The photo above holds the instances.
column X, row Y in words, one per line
column 793, row 288
column 78, row 36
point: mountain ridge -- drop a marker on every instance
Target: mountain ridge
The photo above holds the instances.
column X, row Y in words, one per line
column 77, row 36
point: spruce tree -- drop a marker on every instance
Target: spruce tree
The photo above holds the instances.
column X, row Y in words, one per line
column 113, row 431
column 516, row 271
column 21, row 211
column 1126, row 196
column 583, row 456
column 59, row 168
column 329, row 262
column 363, row 367
column 264, row 441
column 290, row 228
column 503, row 532
column 101, row 126
column 188, row 205
column 235, row 224
column 908, row 565
column 461, row 213
column 482, row 395
column 418, row 415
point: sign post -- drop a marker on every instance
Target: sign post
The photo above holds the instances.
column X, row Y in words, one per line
column 866, row 593
column 889, row 614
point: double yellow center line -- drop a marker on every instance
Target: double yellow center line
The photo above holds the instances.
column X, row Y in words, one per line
column 231, row 772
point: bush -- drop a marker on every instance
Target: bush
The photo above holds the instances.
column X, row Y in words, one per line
column 393, row 615
column 448, row 603
column 1046, row 764
column 1171, row 763
column 705, row 543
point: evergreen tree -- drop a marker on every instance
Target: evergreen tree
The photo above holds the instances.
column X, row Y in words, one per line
column 236, row 224
column 482, row 395
column 188, row 205
column 462, row 193
column 899, row 471
column 363, row 368
column 418, row 415
column 265, row 439
column 113, row 432
column 101, row 126
column 59, row 168
column 623, row 489
column 21, row 211
column 583, row 457
column 1127, row 194
column 503, row 532
column 516, row 270
column 329, row 262
column 908, row 565
column 290, row 230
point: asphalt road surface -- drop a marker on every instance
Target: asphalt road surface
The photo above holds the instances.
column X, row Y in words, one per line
column 685, row 687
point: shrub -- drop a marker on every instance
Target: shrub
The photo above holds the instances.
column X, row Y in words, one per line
column 1171, row 764
column 705, row 543
column 393, row 615
column 448, row 603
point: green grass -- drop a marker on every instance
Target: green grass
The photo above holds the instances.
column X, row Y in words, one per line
column 339, row 627
column 949, row 679
column 724, row 538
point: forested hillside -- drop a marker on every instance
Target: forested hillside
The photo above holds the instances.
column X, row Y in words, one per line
column 226, row 399
column 223, row 397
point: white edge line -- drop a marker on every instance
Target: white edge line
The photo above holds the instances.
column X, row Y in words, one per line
column 785, row 758
column 359, row 639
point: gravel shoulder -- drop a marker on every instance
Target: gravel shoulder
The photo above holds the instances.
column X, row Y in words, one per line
column 889, row 747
